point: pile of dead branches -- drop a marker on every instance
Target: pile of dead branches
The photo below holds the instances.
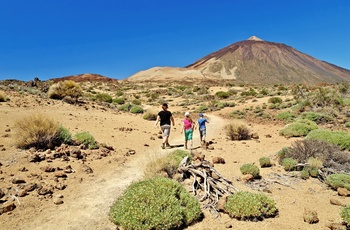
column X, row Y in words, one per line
column 208, row 184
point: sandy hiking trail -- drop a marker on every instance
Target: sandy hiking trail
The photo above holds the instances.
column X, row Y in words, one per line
column 89, row 204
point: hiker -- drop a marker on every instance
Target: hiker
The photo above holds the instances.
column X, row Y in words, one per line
column 165, row 117
column 187, row 127
column 202, row 128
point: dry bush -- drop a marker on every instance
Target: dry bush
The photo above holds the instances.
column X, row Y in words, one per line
column 237, row 132
column 2, row 96
column 37, row 131
column 331, row 155
column 63, row 89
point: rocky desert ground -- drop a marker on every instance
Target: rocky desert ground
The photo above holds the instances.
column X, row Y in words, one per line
column 48, row 189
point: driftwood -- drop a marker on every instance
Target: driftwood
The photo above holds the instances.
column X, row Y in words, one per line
column 208, row 184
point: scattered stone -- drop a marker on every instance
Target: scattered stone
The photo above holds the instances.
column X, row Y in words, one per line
column 75, row 152
column 130, row 152
column 152, row 138
column 336, row 226
column 22, row 193
column 254, row 136
column 218, row 160
column 160, row 136
column 220, row 206
column 48, row 168
column 2, row 194
column 7, row 208
column 310, row 216
column 60, row 186
column 36, row 157
column 337, row 202
column 247, row 178
column 44, row 190
column 210, row 147
column 23, row 169
column 68, row 169
column 198, row 156
column 61, row 175
column 57, row 200
column 7, row 130
column 146, row 145
column 268, row 135
column 228, row 226
column 343, row 192
column 18, row 181
column 86, row 169
column 30, row 187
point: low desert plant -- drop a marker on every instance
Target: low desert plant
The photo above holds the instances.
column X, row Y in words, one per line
column 318, row 118
column 340, row 138
column 156, row 203
column 305, row 173
column 63, row 89
column 285, row 116
column 136, row 109
column 150, row 116
column 222, row 95
column 298, row 128
column 2, row 96
column 125, row 107
column 65, row 135
column 104, row 97
column 338, row 180
column 167, row 164
column 250, row 169
column 345, row 214
column 275, row 100
column 39, row 131
column 289, row 164
column 237, row 132
column 119, row 101
column 265, row 162
column 86, row 139
column 250, row 206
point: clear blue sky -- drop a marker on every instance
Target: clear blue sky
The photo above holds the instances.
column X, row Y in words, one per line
column 117, row 38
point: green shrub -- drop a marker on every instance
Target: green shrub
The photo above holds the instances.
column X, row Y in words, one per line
column 275, row 100
column 136, row 109
column 339, row 138
column 119, row 93
column 250, row 206
column 156, row 203
column 316, row 117
column 2, row 96
column 285, row 116
column 347, row 124
column 338, row 180
column 202, row 109
column 222, row 94
column 104, row 97
column 119, row 101
column 289, row 164
column 345, row 214
column 237, row 132
column 305, row 173
column 86, row 139
column 250, row 169
column 298, row 128
column 265, row 162
column 63, row 89
column 125, row 107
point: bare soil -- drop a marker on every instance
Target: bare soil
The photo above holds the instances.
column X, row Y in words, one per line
column 88, row 197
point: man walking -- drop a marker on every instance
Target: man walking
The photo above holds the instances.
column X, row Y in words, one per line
column 165, row 117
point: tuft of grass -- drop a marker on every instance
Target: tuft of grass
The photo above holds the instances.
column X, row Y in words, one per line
column 86, row 139
column 63, row 89
column 167, row 164
column 318, row 118
column 237, row 132
column 2, row 96
column 289, row 164
column 136, row 109
column 104, row 97
column 265, row 162
column 156, row 203
column 250, row 206
column 39, row 131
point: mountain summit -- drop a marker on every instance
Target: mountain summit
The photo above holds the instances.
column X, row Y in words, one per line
column 252, row 61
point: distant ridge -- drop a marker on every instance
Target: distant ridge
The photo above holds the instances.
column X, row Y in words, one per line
column 86, row 77
column 252, row 61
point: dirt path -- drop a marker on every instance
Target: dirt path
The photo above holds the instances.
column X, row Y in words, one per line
column 88, row 205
